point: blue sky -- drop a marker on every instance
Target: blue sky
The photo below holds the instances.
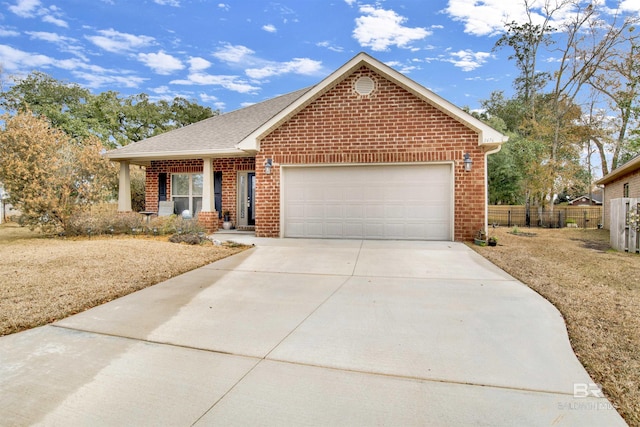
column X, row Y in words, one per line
column 232, row 53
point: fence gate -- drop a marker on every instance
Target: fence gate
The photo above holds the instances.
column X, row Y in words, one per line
column 624, row 226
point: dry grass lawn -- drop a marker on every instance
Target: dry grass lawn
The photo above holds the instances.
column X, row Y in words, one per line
column 597, row 291
column 46, row 279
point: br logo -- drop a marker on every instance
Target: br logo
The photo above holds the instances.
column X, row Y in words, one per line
column 587, row 390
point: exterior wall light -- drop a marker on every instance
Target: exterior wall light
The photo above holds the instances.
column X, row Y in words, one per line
column 268, row 164
column 467, row 162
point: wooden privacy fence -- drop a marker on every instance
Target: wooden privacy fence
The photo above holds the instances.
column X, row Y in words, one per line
column 558, row 217
column 624, row 234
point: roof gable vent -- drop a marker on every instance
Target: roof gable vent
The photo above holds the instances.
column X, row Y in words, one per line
column 365, row 85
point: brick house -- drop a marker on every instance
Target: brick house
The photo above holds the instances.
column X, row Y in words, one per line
column 623, row 182
column 365, row 153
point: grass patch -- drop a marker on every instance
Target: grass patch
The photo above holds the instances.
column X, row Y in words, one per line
column 47, row 279
column 598, row 293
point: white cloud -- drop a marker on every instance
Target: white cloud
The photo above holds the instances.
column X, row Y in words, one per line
column 630, row 6
column 208, row 98
column 224, row 6
column 160, row 90
column 34, row 8
column 161, row 62
column 269, row 28
column 233, row 54
column 50, row 37
column 487, row 17
column 117, row 42
column 8, row 33
column 198, row 64
column 233, row 83
column 96, row 80
column 17, row 60
column 304, row 66
column 328, row 45
column 350, row 2
column 25, row 8
column 257, row 68
column 55, row 21
column 403, row 68
column 66, row 44
column 380, row 29
column 174, row 3
column 468, row 60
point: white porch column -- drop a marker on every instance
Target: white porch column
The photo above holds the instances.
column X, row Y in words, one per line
column 208, row 204
column 124, row 188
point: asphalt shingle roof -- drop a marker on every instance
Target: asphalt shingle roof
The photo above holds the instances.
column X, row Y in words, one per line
column 218, row 133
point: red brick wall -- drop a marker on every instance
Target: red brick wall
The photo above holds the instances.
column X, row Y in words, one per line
column 390, row 125
column 614, row 190
column 228, row 166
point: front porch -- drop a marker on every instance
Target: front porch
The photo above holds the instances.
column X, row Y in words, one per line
column 203, row 188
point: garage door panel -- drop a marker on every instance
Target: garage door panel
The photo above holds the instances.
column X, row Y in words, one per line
column 373, row 202
column 353, row 212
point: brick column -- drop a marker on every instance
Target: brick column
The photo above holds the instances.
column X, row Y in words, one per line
column 209, row 220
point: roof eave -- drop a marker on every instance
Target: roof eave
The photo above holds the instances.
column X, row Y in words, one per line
column 146, row 157
column 622, row 170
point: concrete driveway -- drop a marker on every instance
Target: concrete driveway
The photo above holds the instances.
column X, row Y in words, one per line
column 309, row 332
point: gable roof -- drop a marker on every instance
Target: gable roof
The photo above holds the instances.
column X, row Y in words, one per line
column 596, row 197
column 239, row 132
column 631, row 166
column 218, row 135
column 488, row 137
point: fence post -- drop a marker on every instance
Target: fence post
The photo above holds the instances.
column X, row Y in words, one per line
column 509, row 218
column 586, row 220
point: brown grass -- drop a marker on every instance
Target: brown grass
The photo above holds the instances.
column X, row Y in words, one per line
column 597, row 291
column 46, row 279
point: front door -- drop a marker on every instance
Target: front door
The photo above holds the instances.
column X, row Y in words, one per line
column 246, row 205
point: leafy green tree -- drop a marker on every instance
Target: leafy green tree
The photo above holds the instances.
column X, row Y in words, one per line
column 48, row 175
column 62, row 104
column 114, row 119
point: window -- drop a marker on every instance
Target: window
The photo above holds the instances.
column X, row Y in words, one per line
column 625, row 190
column 186, row 192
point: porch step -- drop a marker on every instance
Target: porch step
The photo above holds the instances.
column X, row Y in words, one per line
column 246, row 228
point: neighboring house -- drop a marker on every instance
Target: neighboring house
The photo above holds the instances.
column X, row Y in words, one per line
column 595, row 199
column 366, row 153
column 621, row 182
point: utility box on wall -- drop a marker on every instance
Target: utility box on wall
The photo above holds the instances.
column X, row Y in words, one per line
column 624, row 235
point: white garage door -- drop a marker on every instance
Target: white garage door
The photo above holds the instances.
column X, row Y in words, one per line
column 368, row 202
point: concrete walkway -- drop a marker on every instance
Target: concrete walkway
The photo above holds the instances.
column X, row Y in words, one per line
column 309, row 332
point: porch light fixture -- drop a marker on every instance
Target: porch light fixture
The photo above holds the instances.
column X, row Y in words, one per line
column 467, row 162
column 268, row 164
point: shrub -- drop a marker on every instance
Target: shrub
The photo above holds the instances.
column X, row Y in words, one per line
column 108, row 222
column 191, row 238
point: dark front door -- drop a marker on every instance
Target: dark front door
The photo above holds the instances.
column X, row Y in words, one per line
column 251, row 219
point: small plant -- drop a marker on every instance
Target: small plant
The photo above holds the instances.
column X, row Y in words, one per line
column 493, row 241
column 227, row 216
column 480, row 238
column 515, row 230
